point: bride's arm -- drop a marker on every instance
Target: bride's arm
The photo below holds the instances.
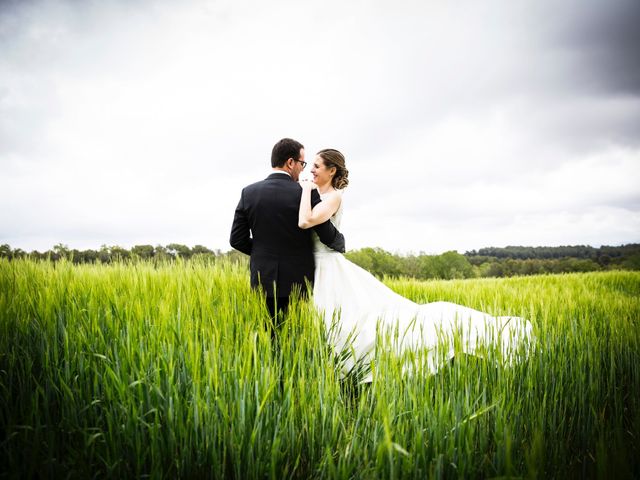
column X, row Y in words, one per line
column 310, row 217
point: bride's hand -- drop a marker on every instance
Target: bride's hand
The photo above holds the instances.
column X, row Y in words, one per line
column 307, row 185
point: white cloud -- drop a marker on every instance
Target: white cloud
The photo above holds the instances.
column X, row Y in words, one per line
column 139, row 123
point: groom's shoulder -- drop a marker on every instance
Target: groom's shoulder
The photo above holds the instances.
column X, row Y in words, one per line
column 271, row 182
column 254, row 186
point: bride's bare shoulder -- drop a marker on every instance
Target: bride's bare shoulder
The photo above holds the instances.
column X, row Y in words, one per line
column 334, row 197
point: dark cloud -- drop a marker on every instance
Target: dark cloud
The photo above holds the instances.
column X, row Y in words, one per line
column 603, row 40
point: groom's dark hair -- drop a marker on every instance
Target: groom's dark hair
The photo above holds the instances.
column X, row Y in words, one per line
column 284, row 150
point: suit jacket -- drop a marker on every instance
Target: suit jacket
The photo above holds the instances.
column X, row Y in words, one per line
column 265, row 227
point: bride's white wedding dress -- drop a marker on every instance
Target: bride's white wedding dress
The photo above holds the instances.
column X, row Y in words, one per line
column 358, row 311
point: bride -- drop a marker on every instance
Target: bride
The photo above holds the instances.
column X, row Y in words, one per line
column 359, row 310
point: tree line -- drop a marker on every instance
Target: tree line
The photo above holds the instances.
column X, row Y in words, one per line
column 600, row 254
column 498, row 262
column 115, row 253
column 486, row 262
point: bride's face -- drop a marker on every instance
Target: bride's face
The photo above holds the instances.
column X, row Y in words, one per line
column 321, row 174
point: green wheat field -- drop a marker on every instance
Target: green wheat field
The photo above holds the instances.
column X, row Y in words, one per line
column 166, row 370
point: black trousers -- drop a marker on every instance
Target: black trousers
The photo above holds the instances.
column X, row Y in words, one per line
column 277, row 305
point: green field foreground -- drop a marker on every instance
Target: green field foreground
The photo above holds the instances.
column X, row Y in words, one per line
column 166, row 370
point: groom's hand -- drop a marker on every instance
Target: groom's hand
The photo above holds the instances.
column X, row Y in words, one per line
column 338, row 243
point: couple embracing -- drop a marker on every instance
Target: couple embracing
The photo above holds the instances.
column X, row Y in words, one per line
column 290, row 230
column 275, row 219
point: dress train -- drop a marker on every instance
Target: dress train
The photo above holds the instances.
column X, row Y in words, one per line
column 359, row 310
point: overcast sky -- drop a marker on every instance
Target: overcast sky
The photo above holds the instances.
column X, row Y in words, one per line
column 464, row 124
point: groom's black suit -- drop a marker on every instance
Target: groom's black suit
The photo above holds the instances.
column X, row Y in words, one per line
column 265, row 227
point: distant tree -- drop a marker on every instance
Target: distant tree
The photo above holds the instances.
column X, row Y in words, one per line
column 632, row 262
column 91, row 255
column 377, row 261
column 477, row 260
column 179, row 250
column 427, row 267
column 162, row 253
column 202, row 250
column 61, row 251
column 361, row 258
column 104, row 254
column 385, row 263
column 583, row 265
column 236, row 257
column 443, row 266
column 410, row 266
column 119, row 253
column 77, row 256
column 495, row 270
column 142, row 251
column 50, row 255
column 454, row 265
column 5, row 251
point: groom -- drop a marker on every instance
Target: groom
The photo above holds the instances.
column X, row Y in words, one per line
column 265, row 227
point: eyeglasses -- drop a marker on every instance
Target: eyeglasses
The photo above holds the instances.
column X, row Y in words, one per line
column 304, row 164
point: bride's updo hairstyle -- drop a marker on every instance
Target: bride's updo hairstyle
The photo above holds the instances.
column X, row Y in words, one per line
column 333, row 158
